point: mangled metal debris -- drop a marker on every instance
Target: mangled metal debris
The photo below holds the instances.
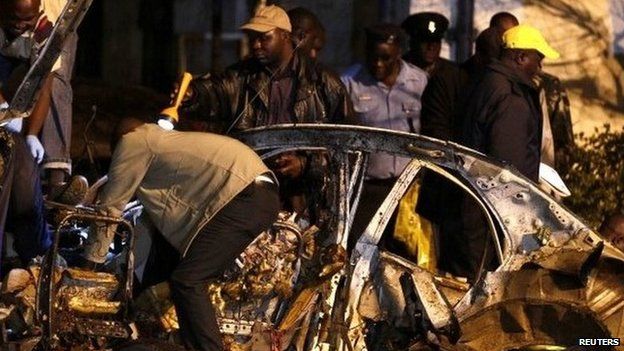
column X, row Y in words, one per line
column 252, row 298
column 297, row 288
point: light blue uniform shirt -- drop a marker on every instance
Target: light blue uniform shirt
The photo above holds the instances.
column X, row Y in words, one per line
column 394, row 108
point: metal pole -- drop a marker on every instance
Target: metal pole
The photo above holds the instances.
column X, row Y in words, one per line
column 465, row 19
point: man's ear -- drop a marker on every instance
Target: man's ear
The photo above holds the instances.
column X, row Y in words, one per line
column 520, row 58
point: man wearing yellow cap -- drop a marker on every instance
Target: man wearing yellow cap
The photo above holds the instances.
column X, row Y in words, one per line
column 504, row 115
column 557, row 132
column 504, row 120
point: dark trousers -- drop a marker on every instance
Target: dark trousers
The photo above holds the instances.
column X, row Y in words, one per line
column 213, row 250
column 21, row 204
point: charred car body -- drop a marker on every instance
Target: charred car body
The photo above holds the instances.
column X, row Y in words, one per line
column 297, row 288
column 556, row 281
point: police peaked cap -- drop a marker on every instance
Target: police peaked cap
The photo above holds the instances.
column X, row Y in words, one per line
column 426, row 26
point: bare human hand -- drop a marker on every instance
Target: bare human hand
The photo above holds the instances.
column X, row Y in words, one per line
column 188, row 95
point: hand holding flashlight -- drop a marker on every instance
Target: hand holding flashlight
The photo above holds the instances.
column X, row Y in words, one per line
column 169, row 116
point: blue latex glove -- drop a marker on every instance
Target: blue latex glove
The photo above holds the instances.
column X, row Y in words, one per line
column 14, row 125
column 35, row 147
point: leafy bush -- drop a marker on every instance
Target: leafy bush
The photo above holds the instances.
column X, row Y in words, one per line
column 594, row 172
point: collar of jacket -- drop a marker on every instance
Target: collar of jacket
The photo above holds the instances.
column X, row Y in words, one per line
column 258, row 78
column 512, row 75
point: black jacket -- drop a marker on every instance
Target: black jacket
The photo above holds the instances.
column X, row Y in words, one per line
column 444, row 98
column 504, row 119
column 239, row 99
column 243, row 90
column 441, row 117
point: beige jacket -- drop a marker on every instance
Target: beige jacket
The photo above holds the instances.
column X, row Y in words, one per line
column 182, row 179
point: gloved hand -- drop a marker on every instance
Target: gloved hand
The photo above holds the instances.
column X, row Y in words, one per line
column 188, row 95
column 35, row 147
column 14, row 125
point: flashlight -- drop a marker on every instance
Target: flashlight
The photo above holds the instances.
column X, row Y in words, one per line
column 168, row 117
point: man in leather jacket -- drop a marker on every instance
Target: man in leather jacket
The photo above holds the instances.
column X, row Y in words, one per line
column 275, row 85
column 247, row 94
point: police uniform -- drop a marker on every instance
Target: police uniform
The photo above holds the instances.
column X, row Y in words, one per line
column 395, row 107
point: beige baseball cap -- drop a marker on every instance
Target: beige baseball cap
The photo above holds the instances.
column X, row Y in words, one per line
column 268, row 18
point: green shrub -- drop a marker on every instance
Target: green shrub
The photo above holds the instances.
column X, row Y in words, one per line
column 594, row 172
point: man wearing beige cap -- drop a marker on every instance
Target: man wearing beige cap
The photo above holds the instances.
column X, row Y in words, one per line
column 277, row 84
column 504, row 120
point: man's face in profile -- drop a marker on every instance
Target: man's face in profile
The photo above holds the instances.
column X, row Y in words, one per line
column 308, row 38
column 532, row 63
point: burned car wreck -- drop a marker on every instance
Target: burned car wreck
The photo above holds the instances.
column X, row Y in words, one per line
column 296, row 287
column 555, row 281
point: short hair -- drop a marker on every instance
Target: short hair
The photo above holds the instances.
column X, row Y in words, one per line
column 300, row 14
column 500, row 17
column 298, row 18
column 489, row 43
column 5, row 3
column 386, row 33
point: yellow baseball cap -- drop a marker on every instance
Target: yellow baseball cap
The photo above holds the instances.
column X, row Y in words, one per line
column 527, row 37
column 268, row 18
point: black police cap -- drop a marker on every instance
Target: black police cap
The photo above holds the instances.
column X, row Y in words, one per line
column 426, row 26
column 385, row 33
